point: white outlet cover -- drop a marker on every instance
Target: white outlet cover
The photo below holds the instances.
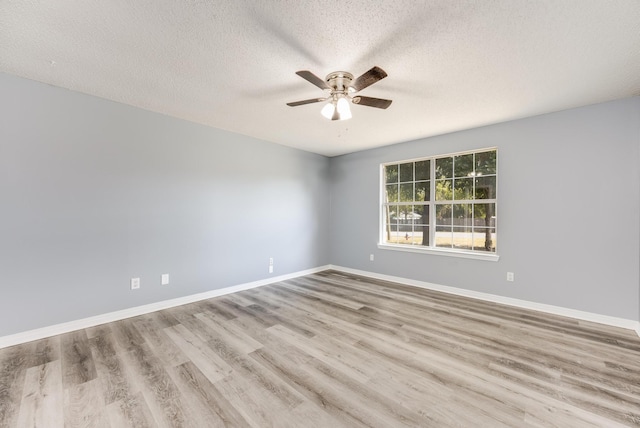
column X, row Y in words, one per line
column 165, row 279
column 135, row 283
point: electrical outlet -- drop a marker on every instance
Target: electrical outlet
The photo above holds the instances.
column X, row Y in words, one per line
column 270, row 264
column 370, row 257
column 135, row 283
column 164, row 280
column 510, row 277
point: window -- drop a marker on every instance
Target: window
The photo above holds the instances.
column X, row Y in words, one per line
column 444, row 203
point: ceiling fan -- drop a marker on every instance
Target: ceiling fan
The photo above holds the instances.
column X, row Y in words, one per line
column 342, row 85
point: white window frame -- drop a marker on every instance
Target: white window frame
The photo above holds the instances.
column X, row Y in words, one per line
column 432, row 249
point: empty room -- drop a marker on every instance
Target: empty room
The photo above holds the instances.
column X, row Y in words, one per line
column 320, row 214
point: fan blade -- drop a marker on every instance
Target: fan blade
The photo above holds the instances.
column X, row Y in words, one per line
column 369, row 78
column 371, row 102
column 312, row 78
column 303, row 102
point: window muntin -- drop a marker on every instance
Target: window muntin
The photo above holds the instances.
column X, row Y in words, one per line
column 454, row 193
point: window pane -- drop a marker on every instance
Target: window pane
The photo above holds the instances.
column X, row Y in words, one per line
column 404, row 214
column 444, row 236
column 395, row 237
column 392, row 214
column 463, row 188
column 444, row 190
column 391, row 173
column 420, row 226
column 423, row 170
column 413, row 215
column 462, row 238
column 464, row 165
column 484, row 239
column 485, row 187
column 422, row 235
column 406, row 192
column 392, row 193
column 462, row 215
column 389, row 222
column 414, row 238
column 444, row 167
column 421, row 213
column 443, row 214
column 484, row 215
column 406, row 172
column 422, row 191
column 486, row 163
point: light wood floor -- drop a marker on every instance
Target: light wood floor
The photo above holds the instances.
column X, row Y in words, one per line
column 328, row 350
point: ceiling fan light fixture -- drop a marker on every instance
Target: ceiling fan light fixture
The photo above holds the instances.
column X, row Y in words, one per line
column 328, row 110
column 337, row 109
column 343, row 108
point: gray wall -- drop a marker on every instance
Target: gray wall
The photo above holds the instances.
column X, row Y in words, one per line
column 568, row 210
column 93, row 193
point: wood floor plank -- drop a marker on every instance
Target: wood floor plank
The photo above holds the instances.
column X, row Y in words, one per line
column 162, row 346
column 258, row 331
column 77, row 360
column 329, row 349
column 126, row 334
column 310, row 415
column 255, row 403
column 205, row 398
column 229, row 333
column 316, row 393
column 115, row 384
column 243, row 366
column 325, row 295
column 313, row 320
column 13, row 368
column 320, row 385
column 209, row 363
column 42, row 397
column 327, row 352
column 46, row 350
column 84, row 406
column 130, row 412
column 158, row 390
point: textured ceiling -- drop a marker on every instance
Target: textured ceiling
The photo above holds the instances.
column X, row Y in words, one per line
column 452, row 65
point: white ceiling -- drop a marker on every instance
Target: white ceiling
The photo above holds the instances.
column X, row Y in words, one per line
column 452, row 65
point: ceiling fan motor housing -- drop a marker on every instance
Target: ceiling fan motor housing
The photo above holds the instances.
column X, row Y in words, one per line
column 339, row 81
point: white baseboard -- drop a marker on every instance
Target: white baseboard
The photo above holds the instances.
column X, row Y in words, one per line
column 41, row 333
column 557, row 310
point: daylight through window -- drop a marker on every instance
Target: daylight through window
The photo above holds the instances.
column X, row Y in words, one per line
column 442, row 202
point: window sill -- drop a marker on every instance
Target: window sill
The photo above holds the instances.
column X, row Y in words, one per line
column 441, row 252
